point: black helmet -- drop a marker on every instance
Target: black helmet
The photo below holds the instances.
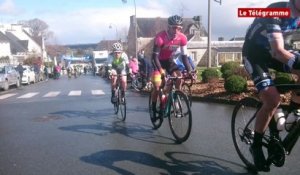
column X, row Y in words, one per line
column 175, row 20
column 117, row 47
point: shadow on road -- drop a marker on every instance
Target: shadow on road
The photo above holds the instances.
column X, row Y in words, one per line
column 200, row 164
column 105, row 125
column 133, row 130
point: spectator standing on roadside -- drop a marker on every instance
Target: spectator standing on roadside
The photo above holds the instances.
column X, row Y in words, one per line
column 133, row 65
column 46, row 73
column 20, row 69
column 145, row 68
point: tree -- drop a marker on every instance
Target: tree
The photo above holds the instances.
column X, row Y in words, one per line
column 56, row 50
column 38, row 28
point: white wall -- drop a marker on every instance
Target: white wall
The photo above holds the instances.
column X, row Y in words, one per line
column 17, row 30
column 5, row 49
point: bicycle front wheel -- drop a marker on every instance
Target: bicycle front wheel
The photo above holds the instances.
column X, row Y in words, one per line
column 187, row 90
column 242, row 128
column 122, row 106
column 180, row 118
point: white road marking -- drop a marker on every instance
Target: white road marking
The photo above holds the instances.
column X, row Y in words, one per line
column 97, row 92
column 6, row 96
column 74, row 93
column 52, row 94
column 29, row 95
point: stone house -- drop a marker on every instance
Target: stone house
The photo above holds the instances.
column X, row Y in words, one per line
column 196, row 33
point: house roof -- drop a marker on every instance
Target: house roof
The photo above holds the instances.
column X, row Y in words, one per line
column 3, row 38
column 237, row 39
column 16, row 44
column 149, row 27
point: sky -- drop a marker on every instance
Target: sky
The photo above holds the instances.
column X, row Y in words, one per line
column 90, row 21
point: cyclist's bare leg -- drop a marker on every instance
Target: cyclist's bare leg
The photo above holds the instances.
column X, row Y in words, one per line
column 124, row 84
column 113, row 80
column 271, row 100
column 113, row 85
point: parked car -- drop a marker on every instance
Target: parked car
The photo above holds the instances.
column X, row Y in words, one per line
column 8, row 77
column 28, row 75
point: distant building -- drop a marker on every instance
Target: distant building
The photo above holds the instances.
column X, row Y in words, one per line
column 18, row 44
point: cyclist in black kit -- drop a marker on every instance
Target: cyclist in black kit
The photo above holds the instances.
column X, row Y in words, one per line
column 268, row 45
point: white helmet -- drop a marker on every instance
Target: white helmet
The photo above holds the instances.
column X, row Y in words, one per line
column 117, row 47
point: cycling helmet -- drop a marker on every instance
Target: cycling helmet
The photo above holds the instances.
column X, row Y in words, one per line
column 175, row 20
column 117, row 47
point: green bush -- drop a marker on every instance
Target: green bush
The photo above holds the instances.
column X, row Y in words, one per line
column 210, row 74
column 227, row 73
column 283, row 78
column 235, row 84
column 231, row 65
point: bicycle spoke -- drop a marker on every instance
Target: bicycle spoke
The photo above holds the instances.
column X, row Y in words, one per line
column 187, row 90
column 242, row 128
column 180, row 118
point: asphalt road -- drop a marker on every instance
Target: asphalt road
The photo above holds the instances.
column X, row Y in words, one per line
column 63, row 127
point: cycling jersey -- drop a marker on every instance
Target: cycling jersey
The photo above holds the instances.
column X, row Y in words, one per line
column 168, row 47
column 119, row 64
column 256, row 48
column 256, row 37
column 178, row 61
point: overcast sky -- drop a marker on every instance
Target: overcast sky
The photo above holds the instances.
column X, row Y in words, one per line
column 88, row 21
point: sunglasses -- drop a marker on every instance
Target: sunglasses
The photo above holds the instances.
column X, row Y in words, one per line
column 176, row 27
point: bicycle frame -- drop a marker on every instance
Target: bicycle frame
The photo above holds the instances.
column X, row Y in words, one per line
column 170, row 81
column 120, row 104
column 291, row 139
column 277, row 143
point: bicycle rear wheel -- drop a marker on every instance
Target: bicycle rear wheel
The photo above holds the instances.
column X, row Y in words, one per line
column 122, row 106
column 157, row 118
column 180, row 118
column 242, row 128
column 187, row 90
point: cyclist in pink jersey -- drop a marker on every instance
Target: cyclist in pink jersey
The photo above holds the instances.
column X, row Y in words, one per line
column 166, row 44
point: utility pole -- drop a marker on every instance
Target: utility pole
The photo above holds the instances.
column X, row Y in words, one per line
column 209, row 33
column 135, row 27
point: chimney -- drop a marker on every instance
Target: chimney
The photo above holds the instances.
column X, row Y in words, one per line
column 221, row 39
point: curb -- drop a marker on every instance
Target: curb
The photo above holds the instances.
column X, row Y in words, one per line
column 214, row 100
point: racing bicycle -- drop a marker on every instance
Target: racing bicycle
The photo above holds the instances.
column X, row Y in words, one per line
column 276, row 144
column 139, row 82
column 120, row 104
column 176, row 107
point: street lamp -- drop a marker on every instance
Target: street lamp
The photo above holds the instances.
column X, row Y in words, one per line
column 135, row 27
column 209, row 33
column 110, row 26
